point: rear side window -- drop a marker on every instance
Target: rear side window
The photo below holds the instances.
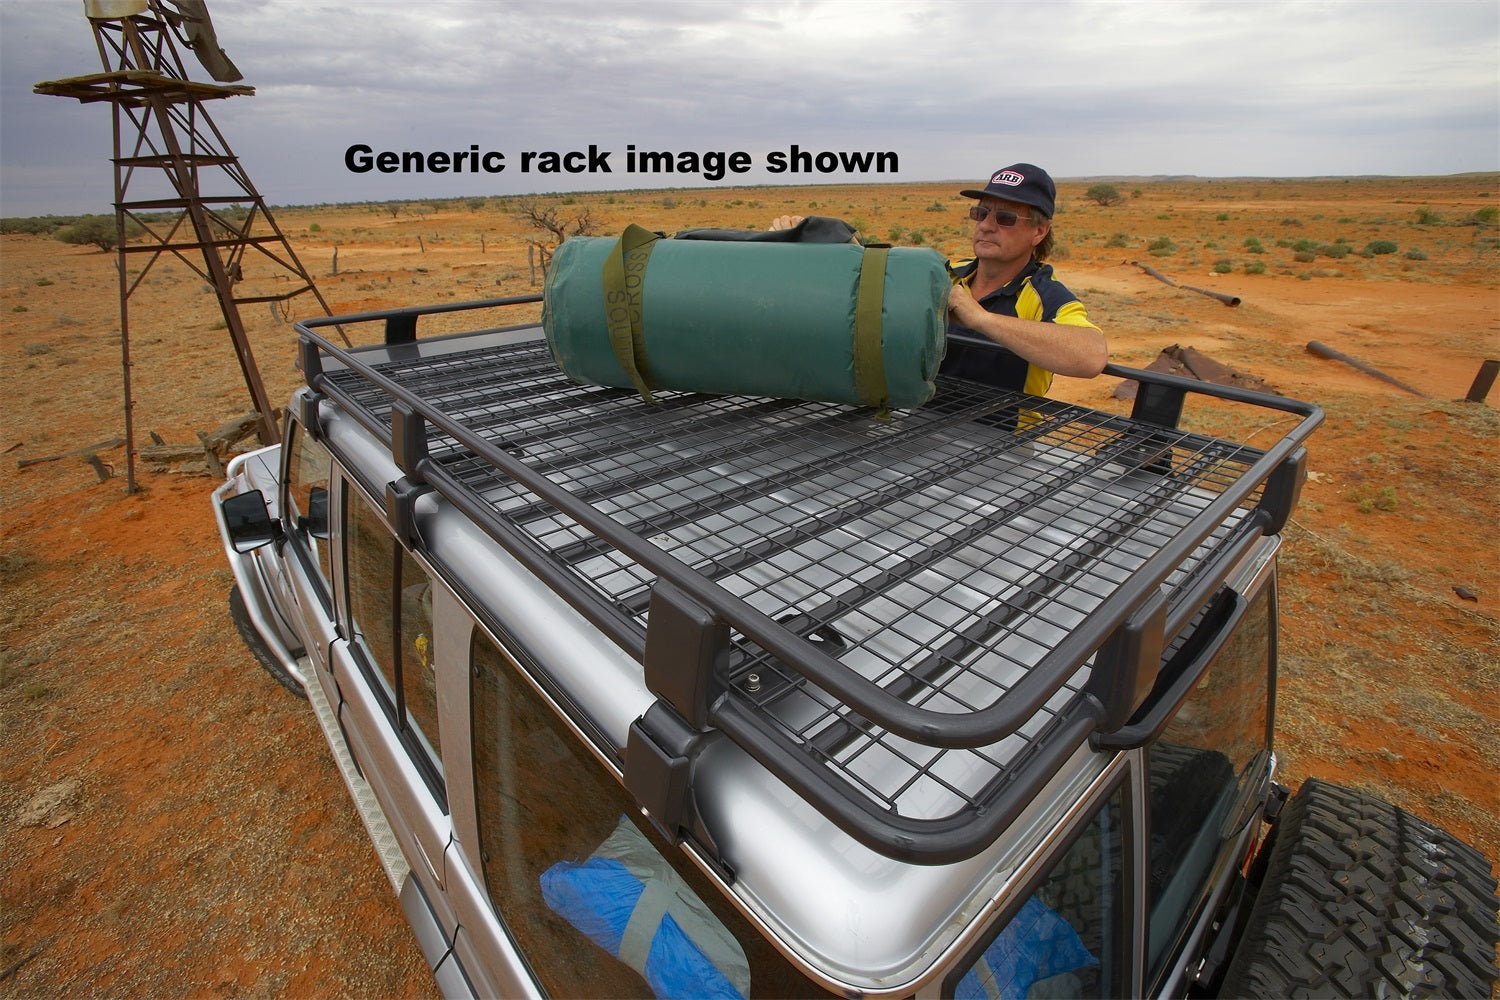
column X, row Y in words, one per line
column 390, row 607
column 1211, row 755
column 567, row 860
column 1065, row 940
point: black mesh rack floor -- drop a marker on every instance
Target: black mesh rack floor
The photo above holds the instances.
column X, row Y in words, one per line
column 902, row 617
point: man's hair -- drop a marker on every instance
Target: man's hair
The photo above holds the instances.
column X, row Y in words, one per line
column 1039, row 218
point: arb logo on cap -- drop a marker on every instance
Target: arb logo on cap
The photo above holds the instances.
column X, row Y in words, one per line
column 1009, row 177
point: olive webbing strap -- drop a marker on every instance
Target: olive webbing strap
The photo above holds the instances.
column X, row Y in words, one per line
column 869, row 359
column 624, row 276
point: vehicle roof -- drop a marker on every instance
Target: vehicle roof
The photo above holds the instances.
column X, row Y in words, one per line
column 887, row 634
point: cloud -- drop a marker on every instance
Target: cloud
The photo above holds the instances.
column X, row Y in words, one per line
column 954, row 88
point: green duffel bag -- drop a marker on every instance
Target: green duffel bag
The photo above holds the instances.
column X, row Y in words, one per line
column 731, row 312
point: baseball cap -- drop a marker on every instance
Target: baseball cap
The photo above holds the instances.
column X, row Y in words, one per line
column 1020, row 182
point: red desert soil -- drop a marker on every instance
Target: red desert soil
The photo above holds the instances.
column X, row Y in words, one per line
column 172, row 821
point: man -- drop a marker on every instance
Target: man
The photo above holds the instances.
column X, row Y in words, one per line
column 1006, row 294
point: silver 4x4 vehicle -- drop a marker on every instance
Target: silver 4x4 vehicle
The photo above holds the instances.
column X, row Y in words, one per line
column 749, row 696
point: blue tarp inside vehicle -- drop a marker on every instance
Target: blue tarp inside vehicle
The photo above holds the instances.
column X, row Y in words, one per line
column 630, row 902
column 1037, row 944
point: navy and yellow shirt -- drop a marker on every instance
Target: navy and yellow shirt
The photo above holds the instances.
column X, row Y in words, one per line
column 1034, row 294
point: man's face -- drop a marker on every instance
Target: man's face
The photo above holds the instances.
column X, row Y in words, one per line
column 993, row 241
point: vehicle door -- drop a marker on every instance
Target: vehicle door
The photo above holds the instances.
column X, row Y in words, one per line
column 387, row 683
column 307, row 552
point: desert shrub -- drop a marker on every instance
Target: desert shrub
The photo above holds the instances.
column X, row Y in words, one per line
column 1427, row 217
column 1252, row 245
column 1223, row 266
column 1415, row 254
column 1383, row 499
column 1378, row 247
column 1304, row 256
column 936, row 206
column 1291, row 222
column 1335, row 250
column 1103, row 194
column 895, row 234
column 1255, row 267
column 1305, row 246
column 1222, row 217
column 91, row 230
column 41, row 225
column 1117, row 240
column 1483, row 217
column 313, row 227
column 1161, row 247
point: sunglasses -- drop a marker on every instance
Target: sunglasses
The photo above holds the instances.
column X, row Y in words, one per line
column 1003, row 217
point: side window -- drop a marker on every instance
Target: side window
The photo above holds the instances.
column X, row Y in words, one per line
column 559, row 844
column 306, row 503
column 390, row 608
column 1064, row 941
column 1206, row 760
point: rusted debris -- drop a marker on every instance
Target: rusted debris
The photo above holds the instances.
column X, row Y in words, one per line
column 1228, row 300
column 212, row 447
column 1188, row 362
column 1322, row 350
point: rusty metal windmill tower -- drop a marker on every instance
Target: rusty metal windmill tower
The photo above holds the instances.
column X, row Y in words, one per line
column 178, row 187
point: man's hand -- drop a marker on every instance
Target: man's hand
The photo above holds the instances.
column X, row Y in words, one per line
column 963, row 307
column 786, row 222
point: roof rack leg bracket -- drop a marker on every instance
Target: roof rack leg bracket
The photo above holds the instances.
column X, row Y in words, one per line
column 1158, row 404
column 686, row 648
column 408, row 438
column 658, row 765
column 1283, row 488
column 1125, row 666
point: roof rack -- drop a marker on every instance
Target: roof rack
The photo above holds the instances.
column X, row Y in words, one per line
column 912, row 622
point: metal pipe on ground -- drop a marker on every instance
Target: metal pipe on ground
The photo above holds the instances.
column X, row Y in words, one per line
column 1322, row 350
column 1228, row 300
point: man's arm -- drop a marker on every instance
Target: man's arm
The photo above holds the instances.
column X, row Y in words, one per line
column 1063, row 348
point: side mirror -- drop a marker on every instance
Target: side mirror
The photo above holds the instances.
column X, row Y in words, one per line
column 315, row 521
column 249, row 523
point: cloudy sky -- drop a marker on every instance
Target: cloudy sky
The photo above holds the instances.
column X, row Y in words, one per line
column 954, row 88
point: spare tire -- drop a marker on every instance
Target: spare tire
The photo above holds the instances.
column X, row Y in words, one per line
column 1363, row 899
